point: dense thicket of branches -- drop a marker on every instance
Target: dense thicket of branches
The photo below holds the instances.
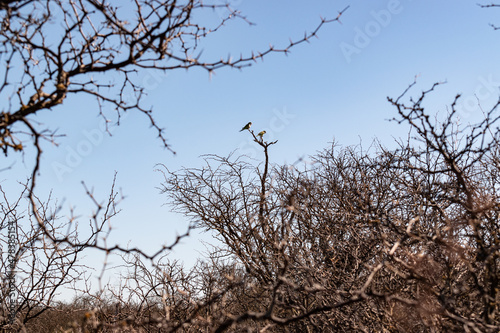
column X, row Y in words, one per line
column 369, row 240
column 398, row 240
column 50, row 50
column 365, row 240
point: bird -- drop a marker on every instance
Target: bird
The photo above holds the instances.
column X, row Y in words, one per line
column 261, row 134
column 247, row 126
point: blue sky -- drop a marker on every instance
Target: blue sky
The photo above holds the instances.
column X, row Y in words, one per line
column 305, row 100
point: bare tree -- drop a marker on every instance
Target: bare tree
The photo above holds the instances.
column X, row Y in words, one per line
column 377, row 239
column 41, row 268
column 450, row 252
column 54, row 49
column 298, row 264
column 365, row 240
column 51, row 50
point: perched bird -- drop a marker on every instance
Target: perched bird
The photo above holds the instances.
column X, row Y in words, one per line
column 261, row 133
column 247, row 126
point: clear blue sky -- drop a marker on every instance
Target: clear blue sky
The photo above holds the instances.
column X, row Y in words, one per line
column 324, row 91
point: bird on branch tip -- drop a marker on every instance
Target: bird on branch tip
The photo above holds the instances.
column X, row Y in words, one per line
column 246, row 127
column 261, row 134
